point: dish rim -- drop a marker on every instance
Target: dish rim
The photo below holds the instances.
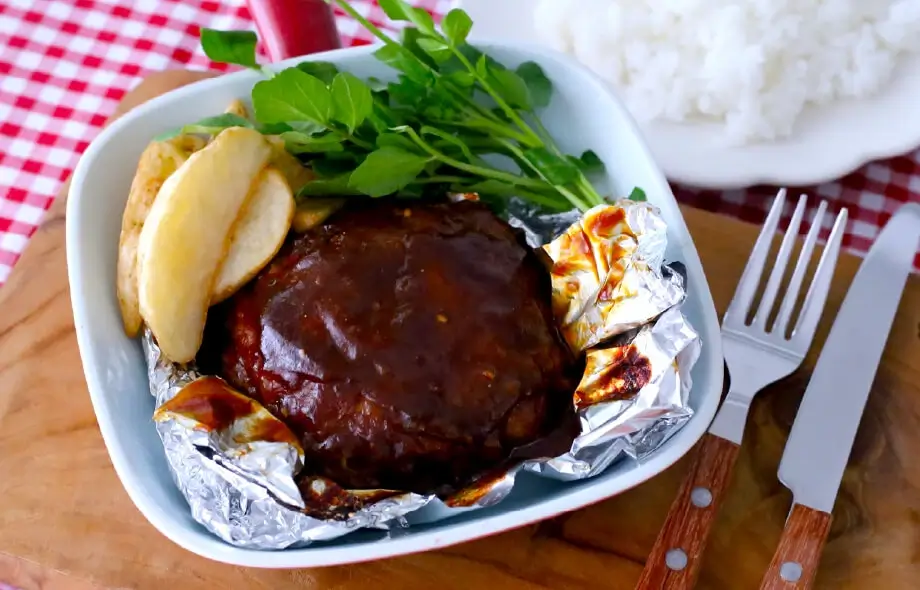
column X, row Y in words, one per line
column 452, row 532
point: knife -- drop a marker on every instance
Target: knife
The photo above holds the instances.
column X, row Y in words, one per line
column 822, row 435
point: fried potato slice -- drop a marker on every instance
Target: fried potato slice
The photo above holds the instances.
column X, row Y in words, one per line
column 257, row 235
column 157, row 162
column 312, row 212
column 237, row 108
column 296, row 173
column 186, row 237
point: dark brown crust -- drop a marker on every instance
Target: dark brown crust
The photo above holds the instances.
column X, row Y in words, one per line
column 410, row 347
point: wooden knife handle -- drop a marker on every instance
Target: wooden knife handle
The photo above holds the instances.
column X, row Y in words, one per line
column 289, row 28
column 796, row 559
column 678, row 552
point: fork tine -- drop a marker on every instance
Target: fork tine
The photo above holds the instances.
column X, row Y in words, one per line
column 779, row 267
column 804, row 330
column 750, row 278
column 795, row 283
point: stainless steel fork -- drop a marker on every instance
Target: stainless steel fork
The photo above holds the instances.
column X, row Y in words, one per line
column 757, row 355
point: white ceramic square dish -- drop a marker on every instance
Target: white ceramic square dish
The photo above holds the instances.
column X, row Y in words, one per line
column 583, row 115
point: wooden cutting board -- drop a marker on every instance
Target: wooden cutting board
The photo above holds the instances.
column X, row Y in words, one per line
column 66, row 522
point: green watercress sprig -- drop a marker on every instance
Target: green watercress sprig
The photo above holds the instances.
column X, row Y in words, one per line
column 435, row 127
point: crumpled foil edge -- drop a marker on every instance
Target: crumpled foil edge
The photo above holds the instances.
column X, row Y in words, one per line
column 243, row 502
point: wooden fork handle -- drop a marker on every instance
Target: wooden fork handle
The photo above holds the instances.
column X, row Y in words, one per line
column 674, row 562
column 796, row 559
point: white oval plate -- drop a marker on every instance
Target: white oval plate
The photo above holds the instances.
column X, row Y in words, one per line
column 828, row 142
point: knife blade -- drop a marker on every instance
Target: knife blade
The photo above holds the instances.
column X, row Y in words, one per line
column 822, row 435
column 821, row 439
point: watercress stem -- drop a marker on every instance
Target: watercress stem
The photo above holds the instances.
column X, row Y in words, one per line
column 486, row 172
column 523, row 161
column 351, row 137
column 512, row 114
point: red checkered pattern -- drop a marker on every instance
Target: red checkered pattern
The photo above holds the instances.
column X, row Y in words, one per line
column 65, row 64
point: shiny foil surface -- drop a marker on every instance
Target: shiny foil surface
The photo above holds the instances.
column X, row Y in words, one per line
column 239, row 467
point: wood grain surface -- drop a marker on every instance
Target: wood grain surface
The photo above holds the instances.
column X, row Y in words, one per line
column 66, row 522
column 798, row 554
column 687, row 526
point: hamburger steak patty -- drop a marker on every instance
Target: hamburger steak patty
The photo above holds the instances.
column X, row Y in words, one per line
column 409, row 347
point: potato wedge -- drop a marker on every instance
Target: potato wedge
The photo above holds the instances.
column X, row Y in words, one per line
column 296, row 173
column 186, row 236
column 312, row 212
column 237, row 108
column 157, row 162
column 257, row 235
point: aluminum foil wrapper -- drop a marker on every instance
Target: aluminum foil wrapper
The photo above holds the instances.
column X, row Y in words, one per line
column 241, row 469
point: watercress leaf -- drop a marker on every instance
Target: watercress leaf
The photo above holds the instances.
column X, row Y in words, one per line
column 395, row 9
column 231, row 47
column 409, row 93
column 332, row 164
column 637, row 194
column 412, row 191
column 461, row 79
column 556, row 170
column 432, row 167
column 376, row 84
column 381, row 96
column 539, row 86
column 423, row 20
column 399, row 10
column 322, row 187
column 410, row 38
column 401, row 59
column 501, row 114
column 302, row 143
column 456, row 26
column 351, row 99
column 292, row 95
column 443, row 93
column 436, row 49
column 273, row 128
column 214, row 125
column 308, row 127
column 511, row 88
column 444, row 136
column 386, row 170
column 590, row 163
column 323, row 70
column 377, row 121
column 397, row 140
column 208, row 126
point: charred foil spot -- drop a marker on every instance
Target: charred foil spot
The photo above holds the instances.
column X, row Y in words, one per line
column 479, row 489
column 324, row 499
column 613, row 374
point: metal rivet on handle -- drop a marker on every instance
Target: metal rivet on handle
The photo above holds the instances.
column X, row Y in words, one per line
column 701, row 497
column 676, row 559
column 790, row 571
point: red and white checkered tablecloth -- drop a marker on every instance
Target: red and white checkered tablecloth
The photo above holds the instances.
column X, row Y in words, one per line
column 65, row 64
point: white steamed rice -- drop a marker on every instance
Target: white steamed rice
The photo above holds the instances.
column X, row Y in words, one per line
column 750, row 64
